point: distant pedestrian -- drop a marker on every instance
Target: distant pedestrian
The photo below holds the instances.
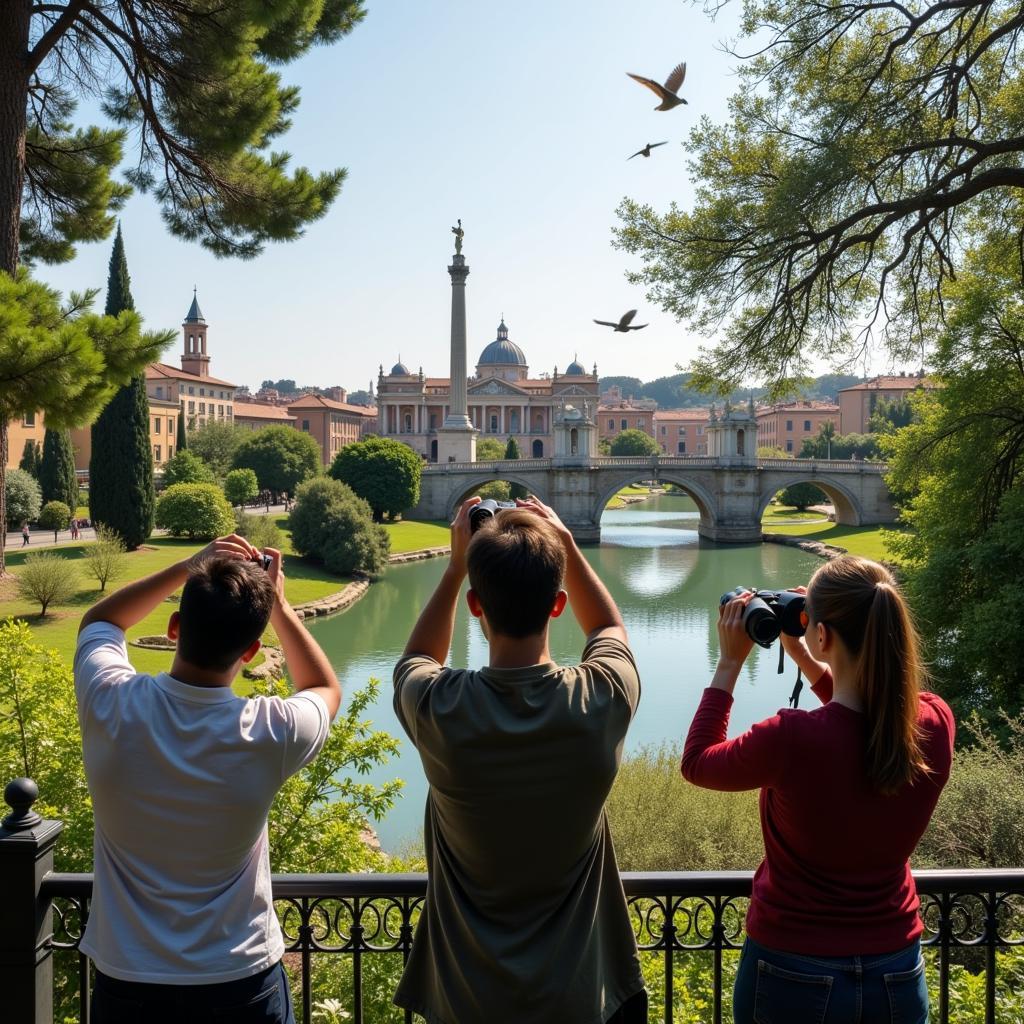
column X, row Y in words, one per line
column 74, row 529
column 24, row 534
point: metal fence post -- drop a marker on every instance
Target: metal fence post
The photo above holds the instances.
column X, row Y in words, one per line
column 26, row 857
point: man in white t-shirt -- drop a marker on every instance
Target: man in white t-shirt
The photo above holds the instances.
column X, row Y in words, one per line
column 182, row 774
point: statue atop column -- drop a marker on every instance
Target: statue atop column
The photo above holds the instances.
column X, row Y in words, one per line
column 458, row 233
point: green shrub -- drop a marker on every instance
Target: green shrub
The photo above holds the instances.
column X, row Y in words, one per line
column 24, row 498
column 281, row 458
column 241, row 486
column 634, row 442
column 47, row 578
column 260, row 531
column 55, row 516
column 106, row 559
column 194, row 511
column 186, row 468
column 383, row 471
column 802, row 496
column 329, row 523
column 660, row 822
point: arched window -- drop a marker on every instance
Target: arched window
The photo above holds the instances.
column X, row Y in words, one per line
column 538, row 449
column 407, row 420
column 513, row 421
column 740, row 442
column 574, row 441
column 433, row 451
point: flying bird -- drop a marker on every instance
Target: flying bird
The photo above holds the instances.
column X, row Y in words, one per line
column 666, row 92
column 625, row 324
column 646, row 151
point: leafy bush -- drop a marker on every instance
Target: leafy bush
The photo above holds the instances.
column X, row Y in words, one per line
column 489, row 449
column 216, row 443
column 499, row 490
column 660, row 822
column 194, row 511
column 55, row 516
column 331, row 524
column 187, row 468
column 47, row 578
column 803, row 496
column 106, row 559
column 281, row 457
column 24, row 497
column 260, row 531
column 634, row 442
column 383, row 471
column 241, row 486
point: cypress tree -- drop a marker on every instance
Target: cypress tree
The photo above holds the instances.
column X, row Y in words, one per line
column 31, row 456
column 57, row 478
column 121, row 493
column 182, row 441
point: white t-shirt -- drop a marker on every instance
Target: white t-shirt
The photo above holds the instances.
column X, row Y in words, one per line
column 182, row 778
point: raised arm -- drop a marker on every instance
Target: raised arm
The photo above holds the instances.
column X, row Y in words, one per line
column 133, row 602
column 432, row 634
column 593, row 606
column 307, row 664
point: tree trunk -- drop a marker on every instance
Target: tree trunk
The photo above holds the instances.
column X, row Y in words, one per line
column 15, row 16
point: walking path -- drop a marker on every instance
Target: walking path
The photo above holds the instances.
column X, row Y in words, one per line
column 44, row 538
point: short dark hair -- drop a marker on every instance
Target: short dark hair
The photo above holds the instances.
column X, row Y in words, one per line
column 225, row 606
column 516, row 565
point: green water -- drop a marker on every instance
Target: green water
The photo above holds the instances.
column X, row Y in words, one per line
column 667, row 582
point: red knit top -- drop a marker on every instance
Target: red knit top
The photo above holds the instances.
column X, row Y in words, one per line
column 835, row 879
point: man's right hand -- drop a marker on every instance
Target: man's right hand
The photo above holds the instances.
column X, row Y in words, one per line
column 462, row 535
column 535, row 505
column 276, row 573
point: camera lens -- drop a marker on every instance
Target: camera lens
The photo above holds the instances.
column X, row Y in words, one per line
column 760, row 623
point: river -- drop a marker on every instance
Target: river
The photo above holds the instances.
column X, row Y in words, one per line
column 667, row 582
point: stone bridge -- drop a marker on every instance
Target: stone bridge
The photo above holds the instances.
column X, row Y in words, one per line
column 730, row 491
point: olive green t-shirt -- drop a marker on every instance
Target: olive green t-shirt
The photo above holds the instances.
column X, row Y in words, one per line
column 525, row 920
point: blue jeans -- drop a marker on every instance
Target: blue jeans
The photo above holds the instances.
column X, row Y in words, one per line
column 262, row 998
column 784, row 988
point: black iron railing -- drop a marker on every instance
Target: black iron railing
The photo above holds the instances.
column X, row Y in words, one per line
column 676, row 915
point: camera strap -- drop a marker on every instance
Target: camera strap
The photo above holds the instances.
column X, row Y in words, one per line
column 794, row 697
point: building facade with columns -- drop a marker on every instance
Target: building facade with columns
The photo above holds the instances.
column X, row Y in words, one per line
column 503, row 400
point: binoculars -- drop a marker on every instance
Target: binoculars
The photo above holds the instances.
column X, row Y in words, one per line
column 484, row 510
column 770, row 613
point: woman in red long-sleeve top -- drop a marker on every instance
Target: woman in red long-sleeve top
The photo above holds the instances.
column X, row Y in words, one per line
column 833, row 932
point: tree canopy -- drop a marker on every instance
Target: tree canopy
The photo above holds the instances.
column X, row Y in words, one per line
column 281, row 458
column 57, row 478
column 383, row 471
column 634, row 442
column 865, row 141
column 193, row 85
column 215, row 443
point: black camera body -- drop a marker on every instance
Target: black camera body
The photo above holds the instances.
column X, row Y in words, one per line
column 265, row 560
column 484, row 510
column 770, row 613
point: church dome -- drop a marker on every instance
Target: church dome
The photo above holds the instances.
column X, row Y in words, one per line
column 501, row 351
column 399, row 369
column 575, row 369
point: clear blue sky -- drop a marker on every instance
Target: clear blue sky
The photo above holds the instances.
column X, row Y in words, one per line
column 518, row 118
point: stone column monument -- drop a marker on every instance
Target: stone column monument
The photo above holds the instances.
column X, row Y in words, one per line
column 456, row 439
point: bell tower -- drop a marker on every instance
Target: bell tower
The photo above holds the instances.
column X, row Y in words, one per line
column 194, row 358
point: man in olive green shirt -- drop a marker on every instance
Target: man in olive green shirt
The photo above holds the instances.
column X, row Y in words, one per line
column 525, row 921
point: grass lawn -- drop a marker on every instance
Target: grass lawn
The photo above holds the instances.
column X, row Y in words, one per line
column 631, row 490
column 411, row 535
column 782, row 513
column 858, row 540
column 303, row 582
column 407, row 535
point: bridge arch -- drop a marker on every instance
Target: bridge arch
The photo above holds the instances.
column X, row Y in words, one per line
column 464, row 491
column 702, row 498
column 849, row 511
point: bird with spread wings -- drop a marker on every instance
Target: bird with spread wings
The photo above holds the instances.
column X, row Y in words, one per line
column 666, row 92
column 625, row 323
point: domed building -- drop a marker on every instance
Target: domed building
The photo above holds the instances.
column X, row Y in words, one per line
column 504, row 400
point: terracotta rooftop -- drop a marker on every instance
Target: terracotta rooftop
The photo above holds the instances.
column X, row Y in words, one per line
column 161, row 371
column 261, row 411
column 319, row 402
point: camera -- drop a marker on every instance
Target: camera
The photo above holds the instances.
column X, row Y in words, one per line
column 484, row 510
column 265, row 560
column 771, row 612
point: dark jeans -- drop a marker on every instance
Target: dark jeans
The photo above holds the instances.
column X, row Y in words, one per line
column 262, row 998
column 632, row 1011
column 784, row 988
